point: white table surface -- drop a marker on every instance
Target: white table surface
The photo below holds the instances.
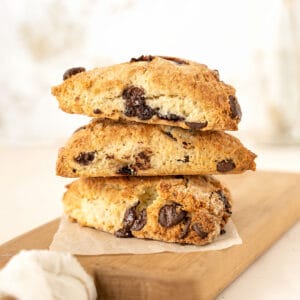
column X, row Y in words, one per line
column 31, row 193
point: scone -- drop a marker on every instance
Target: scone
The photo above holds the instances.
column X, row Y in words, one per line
column 108, row 148
column 183, row 209
column 154, row 90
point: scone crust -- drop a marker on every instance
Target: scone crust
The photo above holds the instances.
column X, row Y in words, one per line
column 181, row 93
column 101, row 203
column 107, row 148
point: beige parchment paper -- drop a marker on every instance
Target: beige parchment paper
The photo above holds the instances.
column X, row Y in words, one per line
column 71, row 237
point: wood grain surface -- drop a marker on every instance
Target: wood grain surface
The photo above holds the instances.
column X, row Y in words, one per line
column 266, row 204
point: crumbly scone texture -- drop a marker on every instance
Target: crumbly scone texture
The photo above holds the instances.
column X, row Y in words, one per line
column 107, row 148
column 187, row 209
column 153, row 90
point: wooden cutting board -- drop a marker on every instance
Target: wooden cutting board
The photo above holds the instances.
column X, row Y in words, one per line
column 266, row 205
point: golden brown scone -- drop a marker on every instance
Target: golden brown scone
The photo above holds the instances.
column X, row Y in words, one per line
column 154, row 90
column 107, row 148
column 183, row 209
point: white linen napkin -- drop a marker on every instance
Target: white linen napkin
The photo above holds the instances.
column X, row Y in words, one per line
column 47, row 275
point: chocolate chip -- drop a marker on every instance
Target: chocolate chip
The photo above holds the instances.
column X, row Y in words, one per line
column 179, row 61
column 225, row 165
column 123, row 233
column 126, row 170
column 85, row 158
column 130, row 111
column 144, row 112
column 70, row 72
column 223, row 231
column 147, row 58
column 97, row 111
column 135, row 105
column 234, row 108
column 196, row 125
column 143, row 160
column 197, row 227
column 134, row 96
column 185, row 160
column 129, row 217
column 185, row 230
column 74, row 170
column 140, row 221
column 224, row 199
column 132, row 221
column 169, row 134
column 170, row 215
column 170, row 117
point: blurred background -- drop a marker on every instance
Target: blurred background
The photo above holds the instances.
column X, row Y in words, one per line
column 255, row 45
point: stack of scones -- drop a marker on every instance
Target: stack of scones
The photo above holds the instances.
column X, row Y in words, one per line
column 145, row 161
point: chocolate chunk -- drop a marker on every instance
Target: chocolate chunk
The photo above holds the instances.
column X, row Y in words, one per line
column 143, row 160
column 234, row 108
column 130, row 111
column 135, row 105
column 176, row 60
column 185, row 160
column 74, row 170
column 170, row 117
column 129, row 217
column 134, row 96
column 133, row 220
column 140, row 221
column 144, row 112
column 70, row 72
column 194, row 125
column 170, row 215
column 225, row 165
column 126, row 170
column 85, row 158
column 123, row 233
column 97, row 111
column 197, row 227
column 185, row 230
column 223, row 231
column 147, row 58
column 169, row 134
column 224, row 199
